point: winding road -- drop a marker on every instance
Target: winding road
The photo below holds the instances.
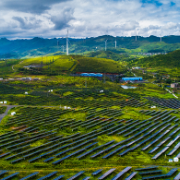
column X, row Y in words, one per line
column 6, row 112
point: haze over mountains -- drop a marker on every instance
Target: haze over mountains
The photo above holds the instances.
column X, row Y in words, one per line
column 22, row 48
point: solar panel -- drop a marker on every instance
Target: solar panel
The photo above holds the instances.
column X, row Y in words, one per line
column 48, row 176
column 177, row 177
column 10, row 176
column 106, row 174
column 59, row 177
column 150, row 172
column 30, row 176
column 76, row 175
column 160, row 153
column 171, row 172
column 132, row 175
column 146, row 168
column 96, row 172
column 120, row 174
column 87, row 178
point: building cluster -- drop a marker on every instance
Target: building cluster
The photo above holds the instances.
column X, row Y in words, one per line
column 91, row 74
column 175, row 85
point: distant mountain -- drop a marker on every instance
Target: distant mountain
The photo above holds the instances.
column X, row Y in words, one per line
column 127, row 45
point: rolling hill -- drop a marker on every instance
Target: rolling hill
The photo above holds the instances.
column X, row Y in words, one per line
column 170, row 60
column 72, row 64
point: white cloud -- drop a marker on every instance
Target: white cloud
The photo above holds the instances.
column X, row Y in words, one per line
column 87, row 18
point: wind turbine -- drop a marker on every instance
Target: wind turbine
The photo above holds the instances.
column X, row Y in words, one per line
column 136, row 34
column 67, row 47
column 57, row 44
column 106, row 40
column 63, row 48
column 161, row 36
column 105, row 44
column 115, row 43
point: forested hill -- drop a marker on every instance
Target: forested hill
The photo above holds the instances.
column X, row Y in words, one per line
column 39, row 46
column 170, row 60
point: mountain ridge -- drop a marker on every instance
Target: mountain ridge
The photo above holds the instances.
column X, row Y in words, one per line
column 37, row 46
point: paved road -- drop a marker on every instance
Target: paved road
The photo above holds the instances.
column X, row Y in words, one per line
column 6, row 112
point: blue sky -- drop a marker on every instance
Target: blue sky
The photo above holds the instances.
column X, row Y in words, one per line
column 156, row 3
column 88, row 18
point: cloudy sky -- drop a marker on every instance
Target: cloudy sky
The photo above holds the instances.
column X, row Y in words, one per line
column 88, row 18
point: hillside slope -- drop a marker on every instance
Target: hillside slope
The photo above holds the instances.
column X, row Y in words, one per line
column 170, row 60
column 62, row 63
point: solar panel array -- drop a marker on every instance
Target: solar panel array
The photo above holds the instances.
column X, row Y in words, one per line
column 166, row 103
column 127, row 173
column 156, row 136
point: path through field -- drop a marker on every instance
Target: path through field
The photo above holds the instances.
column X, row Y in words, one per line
column 6, row 112
column 87, row 169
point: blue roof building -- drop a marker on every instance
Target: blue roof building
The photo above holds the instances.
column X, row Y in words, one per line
column 132, row 79
column 92, row 74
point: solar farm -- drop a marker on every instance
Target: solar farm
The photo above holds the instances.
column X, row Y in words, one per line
column 105, row 132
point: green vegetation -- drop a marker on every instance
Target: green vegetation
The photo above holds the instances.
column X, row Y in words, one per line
column 6, row 67
column 60, row 105
column 100, row 65
column 170, row 60
column 2, row 109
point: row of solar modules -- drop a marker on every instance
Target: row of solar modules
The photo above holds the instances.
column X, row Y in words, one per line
column 5, row 175
column 52, row 121
column 129, row 143
column 63, row 152
column 39, row 151
column 144, row 172
column 127, row 127
column 11, row 139
column 168, row 103
column 146, row 140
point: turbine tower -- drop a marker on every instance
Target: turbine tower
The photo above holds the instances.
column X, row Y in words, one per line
column 63, row 48
column 136, row 36
column 115, row 43
column 161, row 36
column 105, row 44
column 67, row 47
